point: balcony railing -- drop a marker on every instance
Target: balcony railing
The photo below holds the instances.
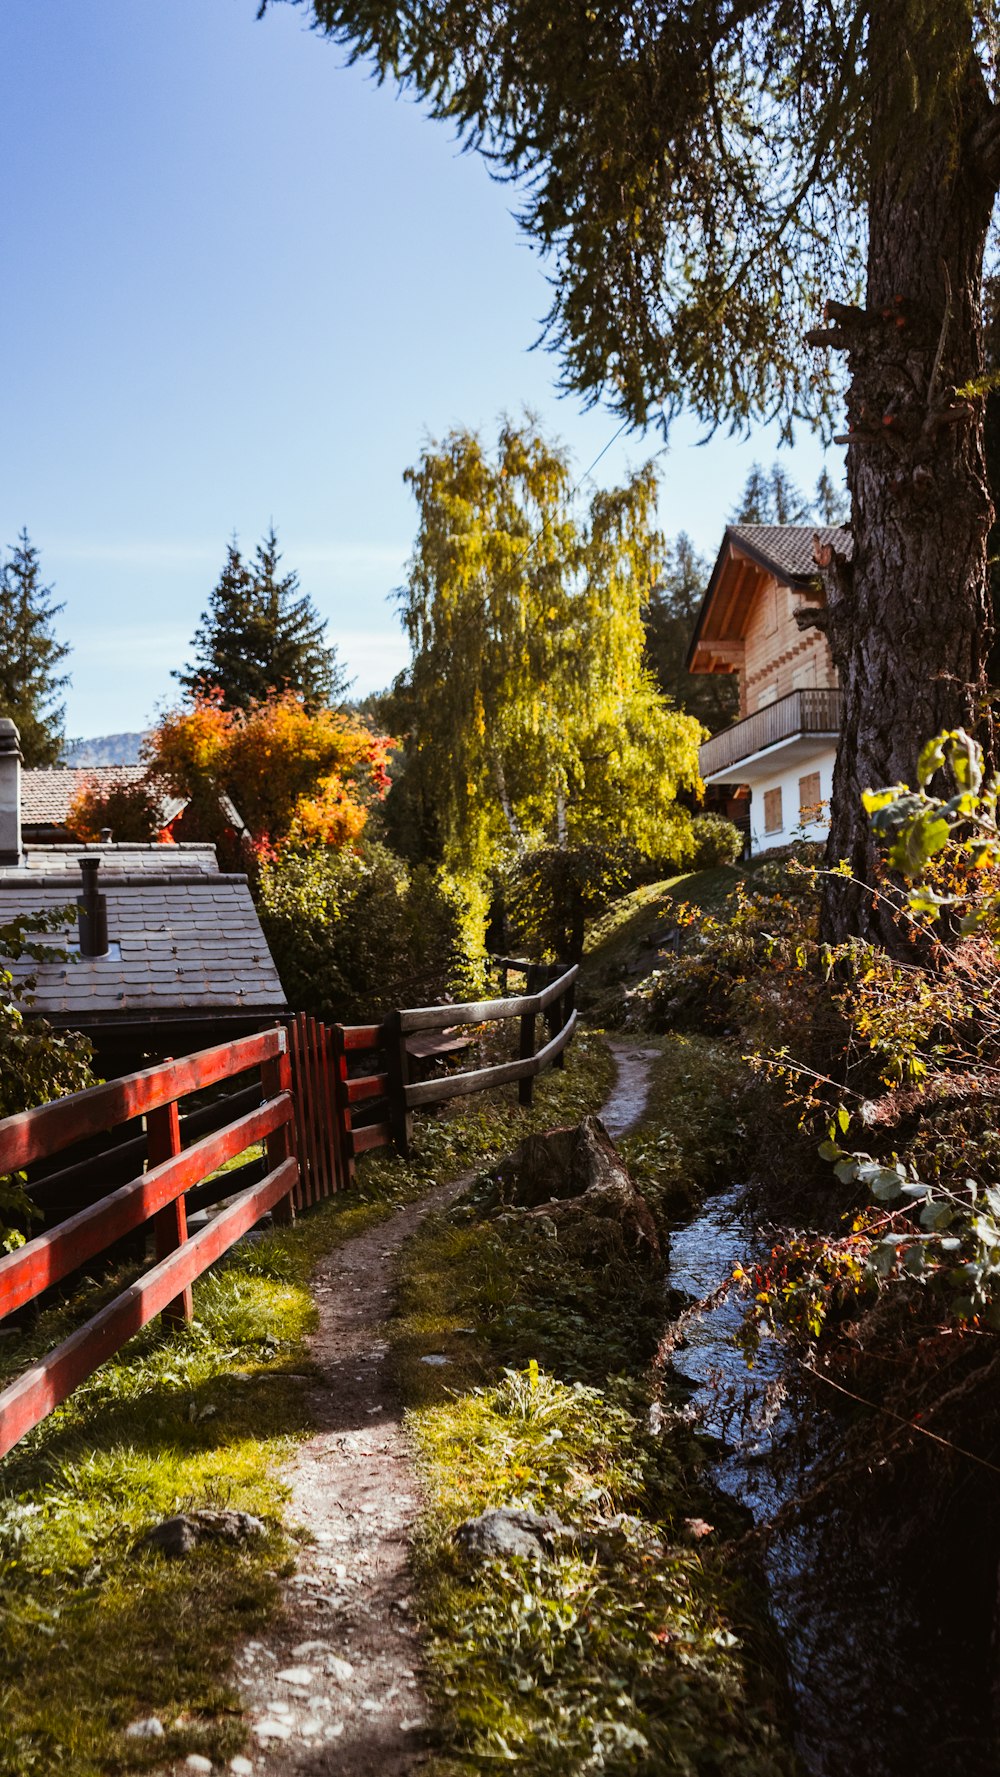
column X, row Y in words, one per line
column 801, row 712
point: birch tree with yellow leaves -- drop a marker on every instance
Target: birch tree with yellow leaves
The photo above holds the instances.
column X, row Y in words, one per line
column 533, row 719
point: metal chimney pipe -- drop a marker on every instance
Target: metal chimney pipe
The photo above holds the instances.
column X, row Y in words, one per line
column 92, row 911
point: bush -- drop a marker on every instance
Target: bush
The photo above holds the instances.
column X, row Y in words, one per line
column 37, row 1063
column 553, row 891
column 134, row 812
column 353, row 933
column 716, row 841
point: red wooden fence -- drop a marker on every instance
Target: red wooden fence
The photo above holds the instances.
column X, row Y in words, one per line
column 326, row 1095
column 156, row 1198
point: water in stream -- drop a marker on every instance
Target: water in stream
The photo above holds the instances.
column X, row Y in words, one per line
column 869, row 1679
column 875, row 1684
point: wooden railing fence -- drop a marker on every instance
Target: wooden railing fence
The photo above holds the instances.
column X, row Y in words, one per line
column 326, row 1094
column 156, row 1199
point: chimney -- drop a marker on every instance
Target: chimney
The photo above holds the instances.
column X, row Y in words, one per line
column 92, row 911
column 10, row 792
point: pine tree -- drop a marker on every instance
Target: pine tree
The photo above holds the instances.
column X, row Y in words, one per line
column 260, row 635
column 771, row 498
column 30, row 656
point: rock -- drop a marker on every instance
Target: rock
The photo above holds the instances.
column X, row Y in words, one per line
column 151, row 1728
column 300, row 1676
column 342, row 1670
column 196, row 1761
column 577, row 1184
column 240, row 1766
column 178, row 1536
column 508, row 1531
column 272, row 1730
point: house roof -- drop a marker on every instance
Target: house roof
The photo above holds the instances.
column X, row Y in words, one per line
column 48, row 791
column 748, row 552
column 128, row 860
column 787, row 549
column 186, row 944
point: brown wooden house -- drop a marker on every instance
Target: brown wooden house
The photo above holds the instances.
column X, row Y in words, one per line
column 756, row 621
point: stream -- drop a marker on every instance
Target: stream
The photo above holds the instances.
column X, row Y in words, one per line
column 872, row 1672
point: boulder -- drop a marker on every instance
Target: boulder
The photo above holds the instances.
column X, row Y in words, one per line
column 508, row 1531
column 178, row 1536
column 576, row 1179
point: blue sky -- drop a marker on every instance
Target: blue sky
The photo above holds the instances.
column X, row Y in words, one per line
column 241, row 283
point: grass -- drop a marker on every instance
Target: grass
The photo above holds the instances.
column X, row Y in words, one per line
column 623, row 942
column 632, row 1648
column 95, row 1634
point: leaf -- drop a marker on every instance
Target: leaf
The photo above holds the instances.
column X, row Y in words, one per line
column 843, row 1119
column 932, row 758
column 875, row 800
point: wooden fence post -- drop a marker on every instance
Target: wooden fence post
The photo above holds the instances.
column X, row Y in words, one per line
column 275, row 1078
column 397, row 1066
column 163, row 1141
column 342, row 1107
column 526, row 1047
column 557, row 1012
column 294, row 1029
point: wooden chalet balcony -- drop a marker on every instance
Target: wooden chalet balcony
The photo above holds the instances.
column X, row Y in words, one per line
column 801, row 712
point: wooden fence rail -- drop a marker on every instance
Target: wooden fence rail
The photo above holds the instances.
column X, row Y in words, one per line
column 326, row 1094
column 155, row 1198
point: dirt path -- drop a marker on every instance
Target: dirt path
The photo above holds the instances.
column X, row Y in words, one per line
column 627, row 1101
column 335, row 1686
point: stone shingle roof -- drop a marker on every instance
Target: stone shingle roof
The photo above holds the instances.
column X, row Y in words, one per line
column 788, row 548
column 183, row 947
column 126, row 860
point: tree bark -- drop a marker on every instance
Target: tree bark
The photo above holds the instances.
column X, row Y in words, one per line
column 910, row 620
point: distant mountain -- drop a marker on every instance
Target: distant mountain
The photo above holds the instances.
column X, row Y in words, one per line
column 105, row 749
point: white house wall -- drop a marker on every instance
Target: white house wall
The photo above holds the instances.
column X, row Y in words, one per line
column 784, row 775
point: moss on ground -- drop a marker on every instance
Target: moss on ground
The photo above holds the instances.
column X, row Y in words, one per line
column 635, row 1649
column 94, row 1635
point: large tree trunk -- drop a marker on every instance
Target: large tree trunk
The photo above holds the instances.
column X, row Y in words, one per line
column 909, row 616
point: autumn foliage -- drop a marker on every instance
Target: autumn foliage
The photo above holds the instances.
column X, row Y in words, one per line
column 132, row 811
column 294, row 777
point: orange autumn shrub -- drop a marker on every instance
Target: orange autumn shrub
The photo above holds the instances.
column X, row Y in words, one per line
column 132, row 811
column 294, row 776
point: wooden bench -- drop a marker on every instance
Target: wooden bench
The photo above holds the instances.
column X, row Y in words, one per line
column 428, row 1047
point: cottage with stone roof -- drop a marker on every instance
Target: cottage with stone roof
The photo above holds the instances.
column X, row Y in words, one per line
column 165, row 951
column 758, row 620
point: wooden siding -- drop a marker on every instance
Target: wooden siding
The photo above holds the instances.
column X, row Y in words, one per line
column 776, row 652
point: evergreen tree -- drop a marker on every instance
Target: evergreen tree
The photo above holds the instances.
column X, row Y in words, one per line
column 259, row 634
column 708, row 181
column 30, row 656
column 830, row 503
column 669, row 623
column 771, row 498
